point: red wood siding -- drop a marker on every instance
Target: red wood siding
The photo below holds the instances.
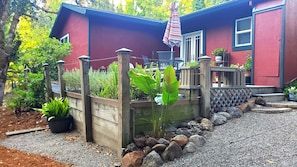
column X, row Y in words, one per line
column 221, row 37
column 109, row 36
column 290, row 71
column 77, row 27
column 269, row 3
column 267, row 48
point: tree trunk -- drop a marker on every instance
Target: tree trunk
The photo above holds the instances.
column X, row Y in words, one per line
column 3, row 76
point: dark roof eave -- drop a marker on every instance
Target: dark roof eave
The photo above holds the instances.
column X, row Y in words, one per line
column 214, row 9
column 123, row 17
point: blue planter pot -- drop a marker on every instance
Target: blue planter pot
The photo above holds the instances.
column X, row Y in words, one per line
column 292, row 97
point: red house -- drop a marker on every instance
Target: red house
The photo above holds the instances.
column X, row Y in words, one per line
column 263, row 29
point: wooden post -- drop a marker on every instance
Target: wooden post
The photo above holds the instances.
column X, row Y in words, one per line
column 205, row 82
column 124, row 98
column 86, row 100
column 61, row 80
column 48, row 84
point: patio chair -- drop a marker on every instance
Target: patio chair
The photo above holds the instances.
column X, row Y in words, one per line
column 164, row 59
column 147, row 62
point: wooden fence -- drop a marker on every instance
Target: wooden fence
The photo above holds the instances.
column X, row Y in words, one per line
column 113, row 123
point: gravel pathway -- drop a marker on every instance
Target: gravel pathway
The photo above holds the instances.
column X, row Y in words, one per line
column 63, row 147
column 254, row 140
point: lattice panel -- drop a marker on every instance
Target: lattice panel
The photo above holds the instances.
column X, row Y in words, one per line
column 228, row 97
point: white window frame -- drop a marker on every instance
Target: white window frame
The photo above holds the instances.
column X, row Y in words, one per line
column 192, row 35
column 237, row 33
column 65, row 37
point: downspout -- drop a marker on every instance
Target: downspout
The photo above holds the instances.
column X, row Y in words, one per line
column 253, row 46
column 282, row 47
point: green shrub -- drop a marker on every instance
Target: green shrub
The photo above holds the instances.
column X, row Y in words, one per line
column 29, row 92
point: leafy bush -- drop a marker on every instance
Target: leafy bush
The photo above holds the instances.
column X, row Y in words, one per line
column 29, row 92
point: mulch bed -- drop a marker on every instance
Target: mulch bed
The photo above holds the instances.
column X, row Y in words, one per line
column 9, row 121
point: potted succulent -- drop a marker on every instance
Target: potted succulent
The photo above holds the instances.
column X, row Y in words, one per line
column 220, row 54
column 57, row 113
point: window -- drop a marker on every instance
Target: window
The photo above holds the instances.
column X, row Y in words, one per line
column 243, row 32
column 192, row 46
column 65, row 38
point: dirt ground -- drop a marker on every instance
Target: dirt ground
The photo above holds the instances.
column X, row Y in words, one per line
column 10, row 122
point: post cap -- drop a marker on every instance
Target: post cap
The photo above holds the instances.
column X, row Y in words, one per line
column 45, row 64
column 83, row 57
column 204, row 57
column 123, row 50
column 60, row 62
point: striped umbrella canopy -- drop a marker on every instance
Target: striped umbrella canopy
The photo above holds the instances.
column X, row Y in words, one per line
column 172, row 36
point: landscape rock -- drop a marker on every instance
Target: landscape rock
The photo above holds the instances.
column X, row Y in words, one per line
column 140, row 141
column 150, row 141
column 246, row 107
column 159, row 148
column 130, row 147
column 218, row 119
column 192, row 124
column 206, row 124
column 195, row 131
column 260, row 101
column 163, row 141
column 225, row 114
column 190, row 148
column 197, row 140
column 146, row 150
column 172, row 151
column 153, row 159
column 235, row 112
column 170, row 129
column 181, row 140
column 133, row 159
column 183, row 131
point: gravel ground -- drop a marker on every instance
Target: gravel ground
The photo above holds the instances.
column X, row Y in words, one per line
column 254, row 140
column 63, row 147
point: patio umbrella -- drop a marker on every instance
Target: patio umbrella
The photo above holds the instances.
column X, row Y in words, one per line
column 172, row 36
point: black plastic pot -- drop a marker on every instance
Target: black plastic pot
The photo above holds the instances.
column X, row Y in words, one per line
column 58, row 125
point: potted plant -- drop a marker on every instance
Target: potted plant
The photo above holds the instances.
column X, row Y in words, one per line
column 220, row 54
column 248, row 65
column 57, row 112
column 292, row 92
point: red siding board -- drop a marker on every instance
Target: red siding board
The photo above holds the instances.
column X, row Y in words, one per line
column 107, row 38
column 77, row 27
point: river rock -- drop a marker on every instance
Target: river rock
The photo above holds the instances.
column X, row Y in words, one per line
column 153, row 159
column 172, row 151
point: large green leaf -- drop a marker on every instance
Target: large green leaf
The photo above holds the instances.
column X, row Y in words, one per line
column 170, row 86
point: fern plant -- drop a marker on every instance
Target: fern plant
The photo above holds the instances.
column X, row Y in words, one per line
column 56, row 108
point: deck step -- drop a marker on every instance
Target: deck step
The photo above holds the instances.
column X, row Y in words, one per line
column 271, row 97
